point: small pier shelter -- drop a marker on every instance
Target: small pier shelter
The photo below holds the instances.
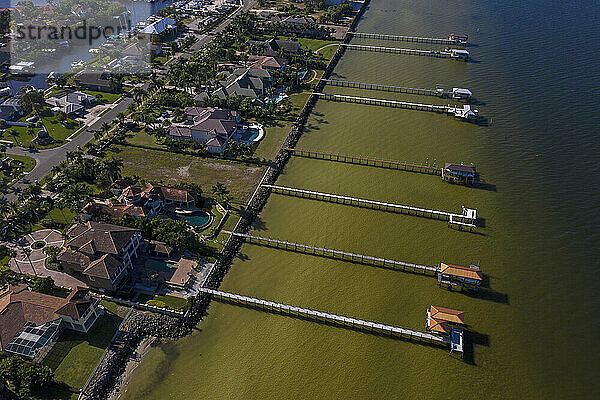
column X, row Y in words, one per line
column 448, row 322
column 459, row 38
column 459, row 173
column 459, row 54
column 454, row 275
column 466, row 113
column 461, row 94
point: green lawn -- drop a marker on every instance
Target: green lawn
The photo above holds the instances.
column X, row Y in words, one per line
column 75, row 355
column 28, row 165
column 28, row 162
column 276, row 131
column 316, row 44
column 56, row 130
column 172, row 302
column 103, row 97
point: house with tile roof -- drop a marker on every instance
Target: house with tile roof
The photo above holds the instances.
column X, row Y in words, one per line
column 247, row 82
column 208, row 125
column 95, row 80
column 31, row 322
column 266, row 62
column 100, row 254
column 274, row 47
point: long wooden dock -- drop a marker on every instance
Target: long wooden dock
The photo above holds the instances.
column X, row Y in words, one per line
column 397, row 38
column 439, row 92
column 320, row 316
column 397, row 50
column 467, row 218
column 466, row 113
column 386, row 103
column 340, row 255
column 373, row 162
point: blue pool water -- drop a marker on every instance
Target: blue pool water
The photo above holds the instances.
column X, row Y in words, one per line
column 159, row 265
column 196, row 219
column 250, row 135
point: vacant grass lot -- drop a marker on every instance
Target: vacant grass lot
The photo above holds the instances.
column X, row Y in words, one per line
column 172, row 168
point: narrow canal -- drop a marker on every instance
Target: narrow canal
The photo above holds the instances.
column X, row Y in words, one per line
column 537, row 337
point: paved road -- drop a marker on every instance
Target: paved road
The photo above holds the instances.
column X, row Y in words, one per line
column 46, row 159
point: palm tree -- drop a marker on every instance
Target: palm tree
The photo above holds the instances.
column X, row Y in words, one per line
column 121, row 117
column 220, row 190
column 13, row 255
column 111, row 168
column 27, row 252
column 105, row 127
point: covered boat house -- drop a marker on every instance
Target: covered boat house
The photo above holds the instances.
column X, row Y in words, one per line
column 449, row 323
column 459, row 173
column 461, row 94
column 459, row 38
column 454, row 275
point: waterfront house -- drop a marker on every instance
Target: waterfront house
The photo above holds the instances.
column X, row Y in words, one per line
column 99, row 253
column 247, row 82
column 31, row 322
column 70, row 102
column 157, row 196
column 276, row 48
column 10, row 109
column 211, row 126
column 161, row 30
column 266, row 62
column 95, row 80
column 467, row 277
column 459, row 173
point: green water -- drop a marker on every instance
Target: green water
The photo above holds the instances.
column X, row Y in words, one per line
column 539, row 244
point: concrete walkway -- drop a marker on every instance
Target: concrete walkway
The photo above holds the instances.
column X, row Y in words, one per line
column 36, row 263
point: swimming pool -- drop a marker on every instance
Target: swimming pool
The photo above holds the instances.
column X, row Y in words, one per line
column 159, row 265
column 250, row 135
column 197, row 219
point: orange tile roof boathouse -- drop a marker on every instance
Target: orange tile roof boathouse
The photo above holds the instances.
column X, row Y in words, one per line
column 449, row 323
column 454, row 275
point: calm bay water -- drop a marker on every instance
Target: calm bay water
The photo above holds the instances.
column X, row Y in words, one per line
column 535, row 75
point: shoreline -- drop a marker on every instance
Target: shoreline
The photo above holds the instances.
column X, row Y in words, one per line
column 140, row 351
column 253, row 208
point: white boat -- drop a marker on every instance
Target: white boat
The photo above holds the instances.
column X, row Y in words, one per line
column 78, row 63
